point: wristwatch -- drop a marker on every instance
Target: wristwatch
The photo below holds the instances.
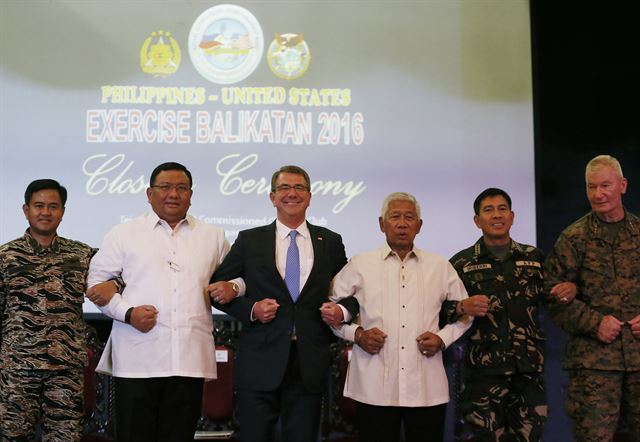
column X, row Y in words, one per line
column 127, row 316
column 235, row 287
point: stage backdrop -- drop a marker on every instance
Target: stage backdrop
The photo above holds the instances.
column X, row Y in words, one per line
column 428, row 97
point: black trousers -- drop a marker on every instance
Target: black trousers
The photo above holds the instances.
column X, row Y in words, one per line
column 383, row 424
column 297, row 409
column 157, row 409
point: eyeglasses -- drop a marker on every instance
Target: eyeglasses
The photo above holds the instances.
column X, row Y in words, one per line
column 284, row 188
column 166, row 188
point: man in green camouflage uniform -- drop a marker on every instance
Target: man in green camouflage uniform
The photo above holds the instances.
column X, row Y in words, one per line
column 600, row 253
column 502, row 396
column 42, row 346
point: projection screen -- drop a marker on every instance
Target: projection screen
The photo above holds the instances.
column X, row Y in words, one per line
column 371, row 97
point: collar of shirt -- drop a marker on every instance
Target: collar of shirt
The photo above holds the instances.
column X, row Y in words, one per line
column 283, row 231
column 482, row 250
column 596, row 226
column 305, row 248
column 386, row 252
column 54, row 247
column 153, row 220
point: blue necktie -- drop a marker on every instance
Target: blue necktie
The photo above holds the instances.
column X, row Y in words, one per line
column 292, row 269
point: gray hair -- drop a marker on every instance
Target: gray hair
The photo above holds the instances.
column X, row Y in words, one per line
column 399, row 196
column 296, row 170
column 601, row 161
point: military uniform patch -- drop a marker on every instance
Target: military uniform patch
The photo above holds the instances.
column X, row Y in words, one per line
column 476, row 267
column 529, row 264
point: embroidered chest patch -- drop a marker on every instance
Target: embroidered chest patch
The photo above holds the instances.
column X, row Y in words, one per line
column 529, row 264
column 475, row 267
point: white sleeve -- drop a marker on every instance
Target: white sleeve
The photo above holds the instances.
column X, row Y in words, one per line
column 107, row 264
column 455, row 292
column 346, row 331
column 345, row 284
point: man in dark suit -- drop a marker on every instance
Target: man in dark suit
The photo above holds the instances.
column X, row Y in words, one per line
column 283, row 353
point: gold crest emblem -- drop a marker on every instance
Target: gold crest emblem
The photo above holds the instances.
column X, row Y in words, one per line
column 160, row 54
column 288, row 56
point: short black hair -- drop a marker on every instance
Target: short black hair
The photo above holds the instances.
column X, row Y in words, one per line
column 296, row 170
column 487, row 193
column 170, row 166
column 45, row 184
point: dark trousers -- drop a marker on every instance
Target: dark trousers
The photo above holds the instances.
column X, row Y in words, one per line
column 383, row 424
column 157, row 409
column 297, row 409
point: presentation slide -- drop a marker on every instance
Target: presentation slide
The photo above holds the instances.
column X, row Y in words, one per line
column 370, row 97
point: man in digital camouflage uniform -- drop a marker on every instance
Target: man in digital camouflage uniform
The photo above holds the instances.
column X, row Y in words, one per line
column 600, row 253
column 42, row 346
column 502, row 396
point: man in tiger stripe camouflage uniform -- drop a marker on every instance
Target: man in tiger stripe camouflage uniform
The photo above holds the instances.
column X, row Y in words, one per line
column 42, row 346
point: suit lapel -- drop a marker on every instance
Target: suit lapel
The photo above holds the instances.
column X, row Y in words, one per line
column 317, row 240
column 269, row 245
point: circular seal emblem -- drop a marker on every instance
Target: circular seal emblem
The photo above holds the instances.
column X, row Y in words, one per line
column 226, row 44
column 288, row 56
column 160, row 54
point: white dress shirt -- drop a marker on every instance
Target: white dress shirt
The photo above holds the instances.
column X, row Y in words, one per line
column 305, row 253
column 169, row 269
column 402, row 299
column 305, row 249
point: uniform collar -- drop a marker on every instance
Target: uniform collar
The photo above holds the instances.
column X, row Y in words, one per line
column 54, row 247
column 596, row 226
column 480, row 249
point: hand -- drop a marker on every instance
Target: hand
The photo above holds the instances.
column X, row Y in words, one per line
column 429, row 344
column 331, row 314
column 265, row 310
column 143, row 317
column 477, row 305
column 222, row 292
column 635, row 326
column 564, row 292
column 371, row 340
column 609, row 329
column 101, row 294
